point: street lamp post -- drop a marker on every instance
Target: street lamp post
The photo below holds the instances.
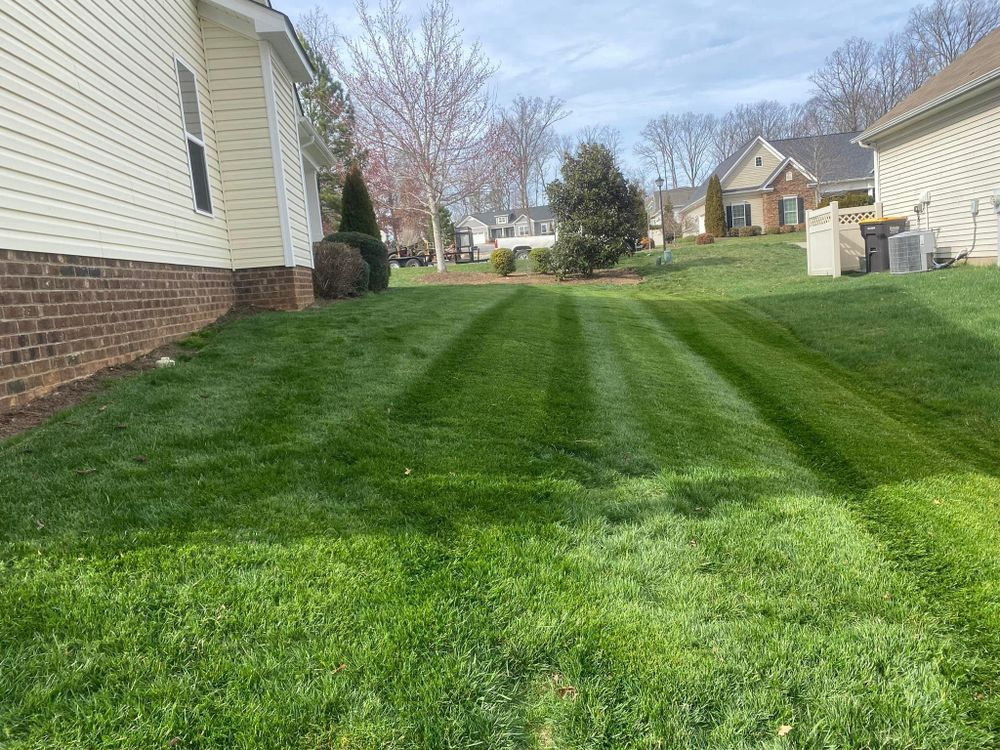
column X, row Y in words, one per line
column 659, row 205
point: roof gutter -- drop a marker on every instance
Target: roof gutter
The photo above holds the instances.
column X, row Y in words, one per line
column 865, row 139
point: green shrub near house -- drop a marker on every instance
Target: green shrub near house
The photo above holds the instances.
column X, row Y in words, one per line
column 705, row 238
column 540, row 260
column 503, row 261
column 357, row 210
column 715, row 212
column 374, row 252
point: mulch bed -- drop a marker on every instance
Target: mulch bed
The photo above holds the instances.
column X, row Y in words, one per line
column 622, row 276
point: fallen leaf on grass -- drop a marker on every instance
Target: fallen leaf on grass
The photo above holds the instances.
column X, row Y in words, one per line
column 122, row 426
column 39, row 524
column 175, row 741
column 340, row 669
column 86, row 472
column 408, row 472
column 693, row 542
column 103, row 408
column 567, row 693
column 140, row 459
column 783, row 730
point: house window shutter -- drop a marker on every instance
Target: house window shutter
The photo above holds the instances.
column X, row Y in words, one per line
column 802, row 213
column 746, row 215
column 781, row 212
column 729, row 217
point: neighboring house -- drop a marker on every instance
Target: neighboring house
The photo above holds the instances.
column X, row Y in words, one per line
column 677, row 199
column 771, row 183
column 155, row 171
column 517, row 229
column 942, row 140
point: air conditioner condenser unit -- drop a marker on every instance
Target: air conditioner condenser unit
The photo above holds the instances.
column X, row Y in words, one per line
column 910, row 252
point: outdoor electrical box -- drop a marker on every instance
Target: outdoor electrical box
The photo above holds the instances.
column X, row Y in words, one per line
column 974, row 207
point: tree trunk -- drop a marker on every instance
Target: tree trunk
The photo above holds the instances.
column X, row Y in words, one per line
column 438, row 244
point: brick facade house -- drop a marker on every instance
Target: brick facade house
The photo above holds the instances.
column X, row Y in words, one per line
column 789, row 185
column 145, row 194
column 770, row 183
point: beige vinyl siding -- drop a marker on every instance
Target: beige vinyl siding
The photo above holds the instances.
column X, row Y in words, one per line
column 291, row 161
column 756, row 208
column 955, row 156
column 244, row 147
column 93, row 158
column 747, row 175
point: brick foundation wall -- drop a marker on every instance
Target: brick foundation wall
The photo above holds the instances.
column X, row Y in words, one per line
column 275, row 288
column 64, row 317
column 783, row 188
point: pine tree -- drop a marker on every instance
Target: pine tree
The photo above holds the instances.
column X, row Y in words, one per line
column 357, row 212
column 715, row 212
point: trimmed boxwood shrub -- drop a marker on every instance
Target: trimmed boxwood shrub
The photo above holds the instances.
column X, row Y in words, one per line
column 502, row 261
column 746, row 232
column 375, row 253
column 540, row 260
column 338, row 271
column 733, row 232
column 756, row 231
column 773, row 230
column 704, row 239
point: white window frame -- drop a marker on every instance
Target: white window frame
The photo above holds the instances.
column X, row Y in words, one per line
column 500, row 220
column 758, row 161
column 190, row 137
column 743, row 214
column 544, row 227
column 523, row 230
column 784, row 211
column 789, row 175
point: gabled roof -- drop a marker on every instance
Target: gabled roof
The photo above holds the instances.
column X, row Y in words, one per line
column 537, row 213
column 676, row 197
column 977, row 67
column 839, row 156
column 259, row 20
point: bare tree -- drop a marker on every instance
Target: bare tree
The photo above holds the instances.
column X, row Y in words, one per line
column 945, row 29
column 527, row 133
column 900, row 68
column 745, row 122
column 658, row 148
column 424, row 93
column 844, row 85
column 695, row 134
column 604, row 135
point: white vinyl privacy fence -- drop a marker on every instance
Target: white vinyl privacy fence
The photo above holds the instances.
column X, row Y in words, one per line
column 833, row 238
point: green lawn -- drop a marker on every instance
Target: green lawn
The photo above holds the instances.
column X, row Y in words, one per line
column 684, row 514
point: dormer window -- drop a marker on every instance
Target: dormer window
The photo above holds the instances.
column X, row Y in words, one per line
column 499, row 219
column 759, row 161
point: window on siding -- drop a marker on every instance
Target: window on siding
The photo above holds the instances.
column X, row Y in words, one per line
column 739, row 214
column 544, row 228
column 499, row 219
column 522, row 230
column 194, row 138
column 790, row 210
column 759, row 161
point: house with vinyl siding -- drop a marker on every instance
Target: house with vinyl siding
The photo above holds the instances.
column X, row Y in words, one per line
column 941, row 143
column 156, row 170
column 773, row 182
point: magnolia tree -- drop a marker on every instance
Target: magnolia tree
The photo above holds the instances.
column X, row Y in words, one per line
column 422, row 94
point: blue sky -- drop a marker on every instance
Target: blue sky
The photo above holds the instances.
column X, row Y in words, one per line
column 622, row 63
